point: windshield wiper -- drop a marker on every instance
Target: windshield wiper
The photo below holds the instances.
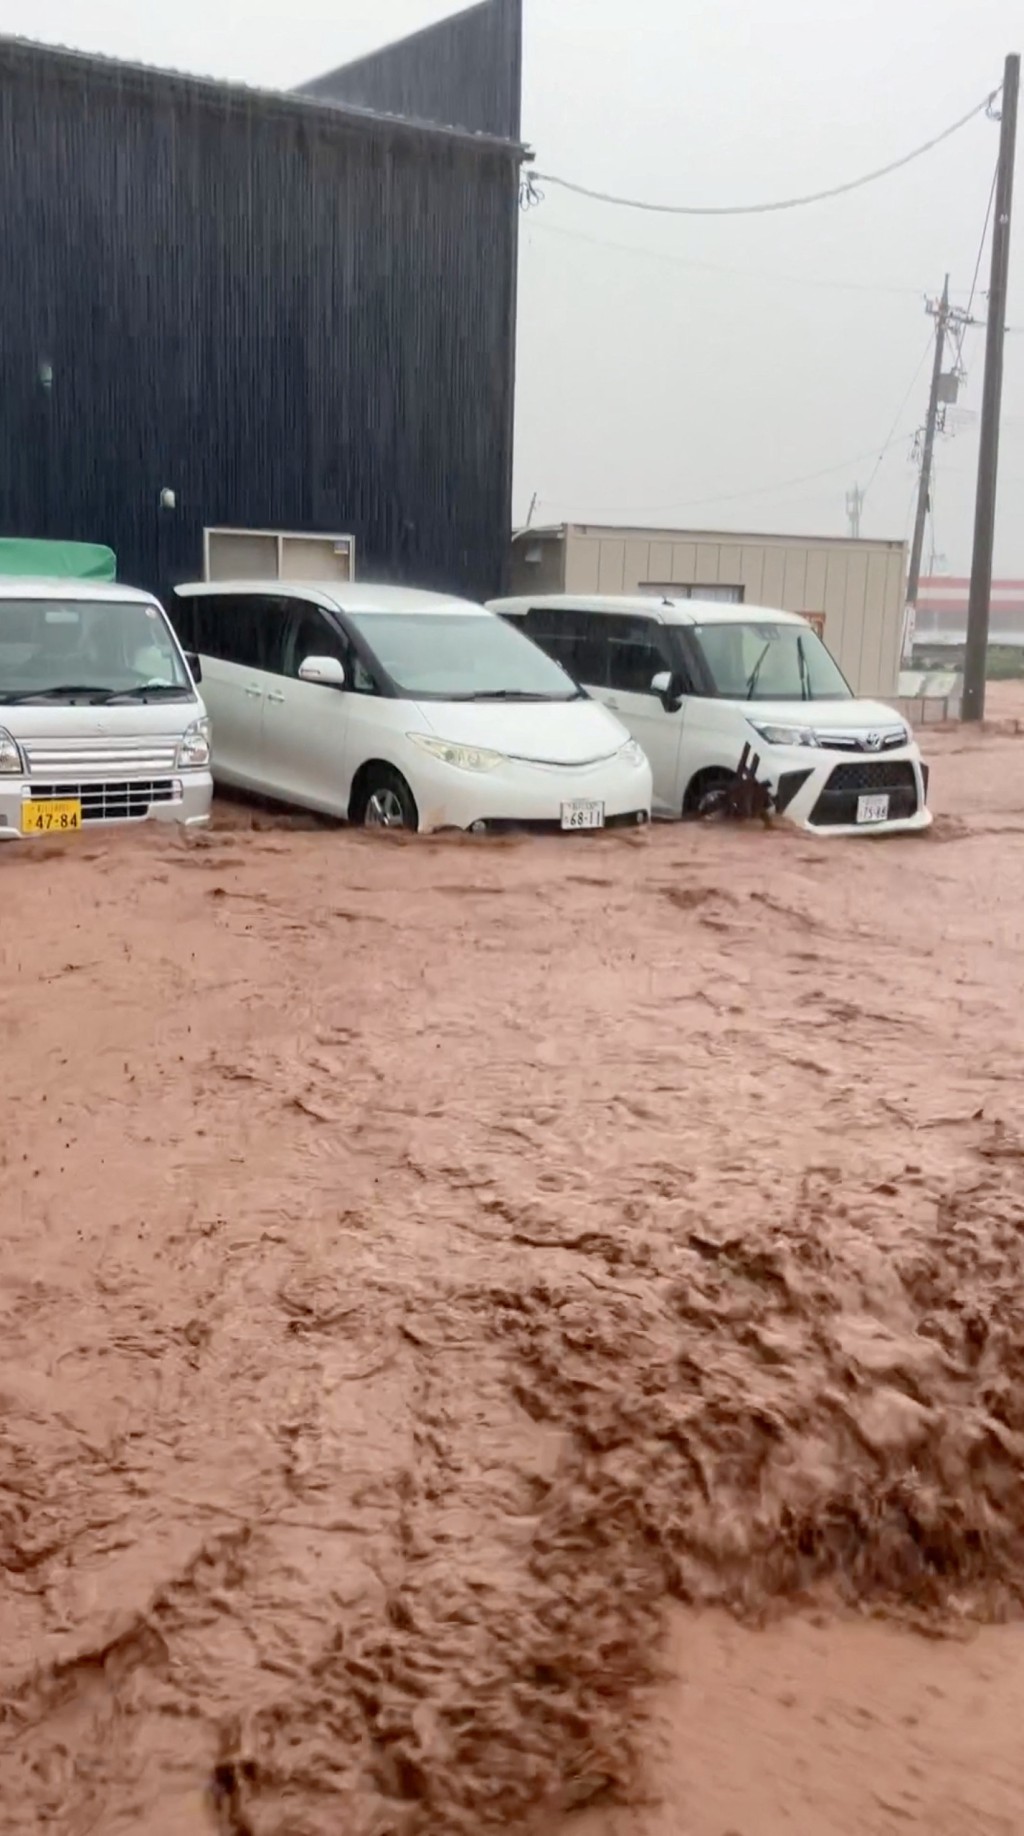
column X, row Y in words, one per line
column 805, row 674
column 143, row 692
column 756, row 671
column 47, row 694
column 512, row 694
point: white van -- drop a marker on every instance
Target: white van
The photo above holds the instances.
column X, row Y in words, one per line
column 100, row 719
column 400, row 709
column 697, row 681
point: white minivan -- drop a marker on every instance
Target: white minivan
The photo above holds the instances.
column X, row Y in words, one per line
column 402, row 709
column 697, row 681
column 100, row 718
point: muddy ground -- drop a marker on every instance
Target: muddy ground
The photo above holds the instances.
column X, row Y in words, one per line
column 511, row 1335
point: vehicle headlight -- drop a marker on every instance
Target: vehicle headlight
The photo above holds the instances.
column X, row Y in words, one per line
column 632, row 753
column 194, row 745
column 10, row 753
column 785, row 736
column 451, row 752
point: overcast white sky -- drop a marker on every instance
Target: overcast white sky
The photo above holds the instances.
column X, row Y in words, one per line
column 680, row 371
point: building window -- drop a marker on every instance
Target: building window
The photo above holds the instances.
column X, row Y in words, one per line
column 725, row 595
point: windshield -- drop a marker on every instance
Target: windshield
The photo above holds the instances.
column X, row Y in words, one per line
column 91, row 649
column 458, row 657
column 765, row 662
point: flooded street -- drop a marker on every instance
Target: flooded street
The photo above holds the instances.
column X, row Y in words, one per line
column 484, row 1325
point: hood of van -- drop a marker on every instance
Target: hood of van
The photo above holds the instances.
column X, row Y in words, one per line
column 65, row 740
column 75, row 721
column 852, row 716
column 541, row 732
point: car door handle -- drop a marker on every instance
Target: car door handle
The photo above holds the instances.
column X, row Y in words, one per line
column 272, row 695
column 612, row 703
column 253, row 692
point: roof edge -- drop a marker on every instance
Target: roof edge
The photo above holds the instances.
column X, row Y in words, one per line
column 700, row 532
column 17, row 53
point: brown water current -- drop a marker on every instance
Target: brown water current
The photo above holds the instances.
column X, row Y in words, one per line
column 520, row 1336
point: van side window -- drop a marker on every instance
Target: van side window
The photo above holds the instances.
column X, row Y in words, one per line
column 243, row 628
column 638, row 649
column 575, row 639
column 311, row 634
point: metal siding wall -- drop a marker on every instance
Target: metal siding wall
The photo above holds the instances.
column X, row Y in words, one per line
column 730, row 563
column 814, row 585
column 611, row 567
column 464, row 72
column 854, row 593
column 872, row 675
column 659, row 562
column 794, row 580
column 535, row 577
column 582, row 563
column 289, row 323
column 706, row 567
column 752, row 575
column 684, row 564
column 636, row 564
column 773, row 577
column 896, row 574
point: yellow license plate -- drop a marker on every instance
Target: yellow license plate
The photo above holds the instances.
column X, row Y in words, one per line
column 51, row 816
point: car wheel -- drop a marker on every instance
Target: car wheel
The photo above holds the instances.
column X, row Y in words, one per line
column 706, row 798
column 388, row 803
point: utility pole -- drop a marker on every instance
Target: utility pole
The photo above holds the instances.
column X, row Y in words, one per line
column 942, row 394
column 975, row 657
column 940, row 313
column 854, row 506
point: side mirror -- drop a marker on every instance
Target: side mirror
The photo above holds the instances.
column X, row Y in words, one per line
column 666, row 686
column 327, row 671
column 195, row 666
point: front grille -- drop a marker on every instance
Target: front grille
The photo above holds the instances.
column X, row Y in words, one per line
column 563, row 765
column 892, row 778
column 873, row 775
column 81, row 758
column 888, row 740
column 124, row 801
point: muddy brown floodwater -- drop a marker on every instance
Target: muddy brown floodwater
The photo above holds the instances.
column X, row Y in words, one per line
column 520, row 1336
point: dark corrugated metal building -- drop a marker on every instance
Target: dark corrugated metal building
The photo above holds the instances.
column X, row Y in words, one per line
column 291, row 310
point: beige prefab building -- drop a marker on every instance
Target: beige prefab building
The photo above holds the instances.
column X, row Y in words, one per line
column 851, row 590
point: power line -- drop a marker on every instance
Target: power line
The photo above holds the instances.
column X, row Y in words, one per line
column 890, row 437
column 732, row 497
column 984, row 239
column 977, row 265
column 716, row 267
column 530, row 194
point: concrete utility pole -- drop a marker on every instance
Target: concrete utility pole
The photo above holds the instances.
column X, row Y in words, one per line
column 940, row 312
column 854, row 506
column 975, row 656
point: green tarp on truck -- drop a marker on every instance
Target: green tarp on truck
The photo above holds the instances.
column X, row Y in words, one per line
column 57, row 560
